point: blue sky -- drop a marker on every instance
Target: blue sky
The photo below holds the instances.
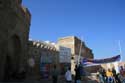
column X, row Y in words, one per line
column 100, row 23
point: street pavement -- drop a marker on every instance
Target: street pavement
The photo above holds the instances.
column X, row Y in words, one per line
column 49, row 81
column 59, row 81
column 87, row 79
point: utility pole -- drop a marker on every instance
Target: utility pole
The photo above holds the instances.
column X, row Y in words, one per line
column 80, row 49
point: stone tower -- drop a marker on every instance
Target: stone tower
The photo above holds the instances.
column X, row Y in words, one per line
column 14, row 35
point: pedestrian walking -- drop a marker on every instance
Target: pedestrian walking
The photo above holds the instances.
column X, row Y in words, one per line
column 116, row 79
column 122, row 71
column 55, row 74
column 68, row 76
column 102, row 75
column 109, row 75
column 78, row 75
column 122, row 75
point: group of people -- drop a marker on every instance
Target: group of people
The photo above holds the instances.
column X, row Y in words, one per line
column 79, row 71
column 68, row 75
column 110, row 76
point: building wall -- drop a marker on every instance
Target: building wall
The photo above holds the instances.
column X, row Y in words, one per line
column 85, row 51
column 47, row 52
column 67, row 42
column 14, row 33
column 74, row 44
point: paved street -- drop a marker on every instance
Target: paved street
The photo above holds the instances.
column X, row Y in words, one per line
column 60, row 81
column 49, row 81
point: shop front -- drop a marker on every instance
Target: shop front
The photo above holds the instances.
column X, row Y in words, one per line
column 45, row 66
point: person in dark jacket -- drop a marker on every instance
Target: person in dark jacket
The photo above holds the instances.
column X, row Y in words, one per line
column 117, row 80
column 55, row 74
column 78, row 75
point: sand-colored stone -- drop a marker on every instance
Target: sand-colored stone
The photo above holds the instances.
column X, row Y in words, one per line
column 74, row 43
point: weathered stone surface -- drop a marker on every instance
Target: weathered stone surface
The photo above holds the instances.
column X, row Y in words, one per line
column 14, row 34
column 42, row 53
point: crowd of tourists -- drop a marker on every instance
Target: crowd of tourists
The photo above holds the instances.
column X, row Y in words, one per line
column 68, row 75
column 104, row 76
column 111, row 76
